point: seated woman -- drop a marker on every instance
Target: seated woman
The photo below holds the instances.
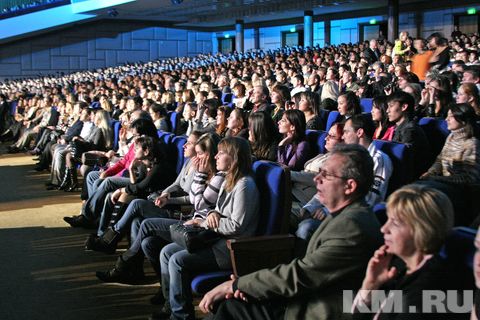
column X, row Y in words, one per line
column 419, row 220
column 383, row 128
column 458, row 165
column 436, row 98
column 307, row 102
column 203, row 163
column 149, row 171
column 223, row 114
column 348, row 105
column 100, row 138
column 293, row 149
column 303, row 186
column 280, row 95
column 468, row 93
column 263, row 136
column 237, row 124
column 235, row 215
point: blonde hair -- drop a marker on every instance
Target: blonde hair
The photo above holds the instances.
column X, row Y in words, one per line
column 104, row 125
column 427, row 211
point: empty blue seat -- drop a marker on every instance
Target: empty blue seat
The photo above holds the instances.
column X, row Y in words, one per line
column 366, row 104
column 380, row 210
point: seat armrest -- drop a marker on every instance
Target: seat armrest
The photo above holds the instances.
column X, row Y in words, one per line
column 273, row 250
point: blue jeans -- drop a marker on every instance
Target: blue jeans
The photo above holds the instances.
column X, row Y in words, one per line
column 153, row 235
column 93, row 181
column 92, row 208
column 177, row 268
column 139, row 208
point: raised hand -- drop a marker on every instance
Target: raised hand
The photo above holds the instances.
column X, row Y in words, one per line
column 378, row 270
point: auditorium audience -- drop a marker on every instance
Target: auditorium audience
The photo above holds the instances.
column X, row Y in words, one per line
column 53, row 111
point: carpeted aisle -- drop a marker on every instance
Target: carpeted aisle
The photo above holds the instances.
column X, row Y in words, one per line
column 44, row 271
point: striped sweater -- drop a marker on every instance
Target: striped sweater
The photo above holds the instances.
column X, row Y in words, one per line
column 203, row 194
column 459, row 160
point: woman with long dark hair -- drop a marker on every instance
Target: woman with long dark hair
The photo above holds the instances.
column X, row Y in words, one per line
column 293, row 149
column 263, row 136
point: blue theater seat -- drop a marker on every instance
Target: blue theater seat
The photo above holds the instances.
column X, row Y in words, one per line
column 273, row 182
column 437, row 132
column 178, row 143
column 116, row 126
column 174, row 119
column 366, row 104
column 316, row 140
column 459, row 246
column 399, row 153
column 333, row 117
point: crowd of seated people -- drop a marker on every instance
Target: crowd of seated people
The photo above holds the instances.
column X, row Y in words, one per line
column 12, row 9
column 263, row 105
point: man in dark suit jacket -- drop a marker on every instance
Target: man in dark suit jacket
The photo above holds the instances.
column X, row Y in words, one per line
column 311, row 287
column 372, row 53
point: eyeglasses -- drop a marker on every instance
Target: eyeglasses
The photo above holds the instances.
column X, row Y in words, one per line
column 331, row 136
column 329, row 176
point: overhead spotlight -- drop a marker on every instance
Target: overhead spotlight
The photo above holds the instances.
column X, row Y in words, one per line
column 112, row 12
column 177, row 1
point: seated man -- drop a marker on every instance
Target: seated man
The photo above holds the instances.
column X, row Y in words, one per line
column 311, row 287
column 400, row 112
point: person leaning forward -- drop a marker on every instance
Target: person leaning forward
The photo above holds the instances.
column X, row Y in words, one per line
column 336, row 258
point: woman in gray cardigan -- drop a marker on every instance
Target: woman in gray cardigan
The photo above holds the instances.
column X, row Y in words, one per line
column 235, row 215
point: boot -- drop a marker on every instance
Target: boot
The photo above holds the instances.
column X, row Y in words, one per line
column 164, row 313
column 73, row 180
column 106, row 243
column 129, row 272
column 66, row 180
column 80, row 221
column 118, row 211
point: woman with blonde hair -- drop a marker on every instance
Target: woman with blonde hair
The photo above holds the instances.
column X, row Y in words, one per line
column 235, row 215
column 419, row 220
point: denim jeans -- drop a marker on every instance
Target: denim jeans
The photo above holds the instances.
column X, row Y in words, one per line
column 151, row 230
column 177, row 268
column 139, row 208
column 306, row 228
column 93, row 181
column 94, row 205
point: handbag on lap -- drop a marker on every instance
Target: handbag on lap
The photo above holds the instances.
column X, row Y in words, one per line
column 192, row 237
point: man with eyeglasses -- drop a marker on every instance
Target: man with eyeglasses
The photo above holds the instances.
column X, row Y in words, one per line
column 311, row 287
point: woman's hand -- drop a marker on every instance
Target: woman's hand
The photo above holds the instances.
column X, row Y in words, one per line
column 202, row 164
column 116, row 195
column 162, row 200
column 425, row 97
column 213, row 220
column 378, row 270
column 193, row 222
column 134, row 163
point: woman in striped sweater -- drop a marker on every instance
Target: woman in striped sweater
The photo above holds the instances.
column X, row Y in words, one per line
column 458, row 165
